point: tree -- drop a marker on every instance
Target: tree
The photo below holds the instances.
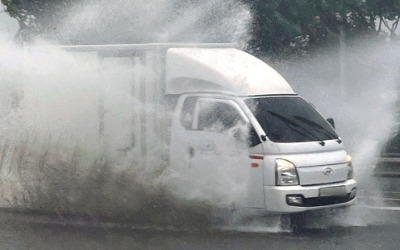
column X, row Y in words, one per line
column 292, row 26
column 387, row 12
column 279, row 27
column 36, row 16
column 127, row 21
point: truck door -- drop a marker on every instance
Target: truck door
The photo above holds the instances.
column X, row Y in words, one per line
column 217, row 152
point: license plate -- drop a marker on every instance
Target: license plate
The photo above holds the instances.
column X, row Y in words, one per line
column 332, row 191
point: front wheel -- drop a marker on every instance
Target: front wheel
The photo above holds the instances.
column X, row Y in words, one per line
column 298, row 222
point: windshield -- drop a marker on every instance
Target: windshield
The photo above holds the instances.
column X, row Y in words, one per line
column 290, row 119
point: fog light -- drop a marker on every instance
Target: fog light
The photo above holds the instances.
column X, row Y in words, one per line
column 353, row 193
column 294, row 200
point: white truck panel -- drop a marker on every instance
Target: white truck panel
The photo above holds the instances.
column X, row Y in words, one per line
column 221, row 70
column 133, row 118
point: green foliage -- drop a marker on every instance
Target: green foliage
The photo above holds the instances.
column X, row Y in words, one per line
column 286, row 27
column 36, row 16
column 280, row 27
column 387, row 14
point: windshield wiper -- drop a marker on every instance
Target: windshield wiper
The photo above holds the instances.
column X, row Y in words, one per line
column 316, row 125
column 304, row 131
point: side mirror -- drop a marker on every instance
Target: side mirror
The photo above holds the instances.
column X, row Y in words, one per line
column 253, row 139
column 331, row 122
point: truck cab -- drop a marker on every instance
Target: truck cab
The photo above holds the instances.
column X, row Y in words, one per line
column 245, row 138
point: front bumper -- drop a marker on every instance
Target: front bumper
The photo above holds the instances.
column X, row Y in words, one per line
column 276, row 197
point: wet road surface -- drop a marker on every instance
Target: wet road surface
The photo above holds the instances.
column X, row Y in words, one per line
column 21, row 231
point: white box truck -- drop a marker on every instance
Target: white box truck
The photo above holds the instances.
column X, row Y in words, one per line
column 231, row 118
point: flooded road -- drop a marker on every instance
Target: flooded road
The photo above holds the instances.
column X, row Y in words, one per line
column 22, row 231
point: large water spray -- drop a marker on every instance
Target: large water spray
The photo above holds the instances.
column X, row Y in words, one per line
column 56, row 156
column 67, row 143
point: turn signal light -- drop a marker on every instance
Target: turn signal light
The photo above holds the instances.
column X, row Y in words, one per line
column 254, row 165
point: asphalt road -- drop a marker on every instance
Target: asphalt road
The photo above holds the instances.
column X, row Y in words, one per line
column 24, row 231
column 371, row 224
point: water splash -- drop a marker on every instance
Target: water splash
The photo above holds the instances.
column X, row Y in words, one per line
column 52, row 156
column 124, row 21
column 65, row 119
column 363, row 107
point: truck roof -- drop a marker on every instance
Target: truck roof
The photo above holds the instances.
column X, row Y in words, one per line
column 221, row 70
column 200, row 67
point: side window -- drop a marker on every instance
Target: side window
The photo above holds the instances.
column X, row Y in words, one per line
column 217, row 116
column 188, row 112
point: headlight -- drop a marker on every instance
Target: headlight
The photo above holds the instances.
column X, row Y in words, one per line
column 350, row 174
column 286, row 173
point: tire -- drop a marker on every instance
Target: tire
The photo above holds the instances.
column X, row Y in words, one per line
column 298, row 222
